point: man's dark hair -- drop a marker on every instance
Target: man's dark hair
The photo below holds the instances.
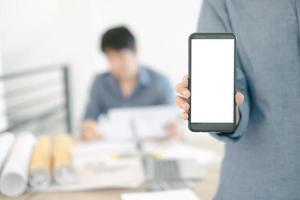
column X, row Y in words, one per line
column 117, row 38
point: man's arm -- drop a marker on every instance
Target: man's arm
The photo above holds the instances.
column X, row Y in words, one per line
column 214, row 18
column 94, row 108
column 166, row 92
column 173, row 129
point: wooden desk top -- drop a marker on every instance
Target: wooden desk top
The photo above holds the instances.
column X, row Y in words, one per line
column 204, row 189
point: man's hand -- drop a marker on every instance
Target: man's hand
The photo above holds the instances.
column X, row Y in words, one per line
column 174, row 130
column 184, row 94
column 90, row 131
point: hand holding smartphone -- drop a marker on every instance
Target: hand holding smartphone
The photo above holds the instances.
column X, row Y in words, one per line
column 212, row 82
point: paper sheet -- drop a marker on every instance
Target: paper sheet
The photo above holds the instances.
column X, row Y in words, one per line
column 117, row 124
column 164, row 195
column 151, row 121
column 14, row 177
column 147, row 122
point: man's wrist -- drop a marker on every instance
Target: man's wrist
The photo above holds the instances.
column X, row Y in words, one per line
column 238, row 116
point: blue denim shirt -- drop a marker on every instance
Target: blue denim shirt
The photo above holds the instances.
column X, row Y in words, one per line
column 152, row 89
column 262, row 157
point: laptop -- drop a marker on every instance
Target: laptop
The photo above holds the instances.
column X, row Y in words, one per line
column 173, row 170
column 165, row 174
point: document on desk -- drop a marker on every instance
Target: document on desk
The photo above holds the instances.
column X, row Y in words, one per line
column 103, row 150
column 97, row 167
column 178, row 150
column 163, row 195
column 141, row 122
column 125, row 173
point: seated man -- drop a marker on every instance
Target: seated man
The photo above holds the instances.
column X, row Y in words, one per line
column 127, row 84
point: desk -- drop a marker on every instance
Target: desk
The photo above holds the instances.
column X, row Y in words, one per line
column 205, row 189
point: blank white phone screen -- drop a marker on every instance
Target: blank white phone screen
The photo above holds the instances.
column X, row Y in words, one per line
column 212, row 80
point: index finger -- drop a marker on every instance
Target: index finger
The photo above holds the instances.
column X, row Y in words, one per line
column 185, row 81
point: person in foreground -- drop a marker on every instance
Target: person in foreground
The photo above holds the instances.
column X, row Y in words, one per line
column 127, row 84
column 262, row 155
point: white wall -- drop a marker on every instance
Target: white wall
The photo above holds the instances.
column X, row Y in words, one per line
column 162, row 29
column 35, row 33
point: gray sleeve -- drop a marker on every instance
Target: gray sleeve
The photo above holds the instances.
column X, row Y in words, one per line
column 214, row 18
column 94, row 107
column 166, row 92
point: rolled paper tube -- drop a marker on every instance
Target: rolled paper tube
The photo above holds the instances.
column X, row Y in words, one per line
column 14, row 177
column 63, row 171
column 6, row 143
column 40, row 166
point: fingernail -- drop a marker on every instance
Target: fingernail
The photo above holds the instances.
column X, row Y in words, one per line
column 186, row 106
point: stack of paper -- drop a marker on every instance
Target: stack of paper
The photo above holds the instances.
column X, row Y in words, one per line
column 164, row 195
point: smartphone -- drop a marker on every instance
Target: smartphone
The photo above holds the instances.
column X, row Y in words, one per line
column 212, row 82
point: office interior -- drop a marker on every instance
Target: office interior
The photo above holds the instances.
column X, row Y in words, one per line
column 49, row 56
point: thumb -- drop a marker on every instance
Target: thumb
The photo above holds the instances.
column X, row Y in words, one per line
column 239, row 99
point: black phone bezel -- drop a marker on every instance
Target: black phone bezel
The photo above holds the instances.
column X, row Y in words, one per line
column 211, row 127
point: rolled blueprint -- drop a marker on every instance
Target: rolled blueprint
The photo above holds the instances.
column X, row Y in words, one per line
column 14, row 177
column 6, row 142
column 40, row 166
column 63, row 171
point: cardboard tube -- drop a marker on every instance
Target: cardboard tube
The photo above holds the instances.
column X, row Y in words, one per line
column 62, row 159
column 40, row 166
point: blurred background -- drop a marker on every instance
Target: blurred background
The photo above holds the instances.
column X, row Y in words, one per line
column 41, row 33
column 49, row 57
